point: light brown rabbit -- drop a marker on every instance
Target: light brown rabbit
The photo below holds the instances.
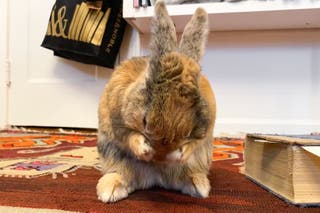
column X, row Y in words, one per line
column 156, row 116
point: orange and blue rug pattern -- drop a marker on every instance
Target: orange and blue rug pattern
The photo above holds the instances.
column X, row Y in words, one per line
column 29, row 155
column 34, row 154
column 227, row 148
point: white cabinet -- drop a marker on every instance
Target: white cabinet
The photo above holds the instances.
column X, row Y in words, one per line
column 226, row 16
column 265, row 75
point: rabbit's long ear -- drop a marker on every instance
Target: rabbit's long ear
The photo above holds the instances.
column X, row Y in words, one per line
column 163, row 37
column 195, row 35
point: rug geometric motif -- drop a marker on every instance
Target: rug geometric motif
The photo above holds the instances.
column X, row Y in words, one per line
column 30, row 154
column 37, row 154
column 227, row 148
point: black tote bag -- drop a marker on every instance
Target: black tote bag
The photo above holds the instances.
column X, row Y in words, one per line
column 86, row 31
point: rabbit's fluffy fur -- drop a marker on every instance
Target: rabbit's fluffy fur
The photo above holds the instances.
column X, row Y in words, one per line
column 156, row 116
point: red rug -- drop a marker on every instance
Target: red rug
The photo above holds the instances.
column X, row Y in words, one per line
column 60, row 171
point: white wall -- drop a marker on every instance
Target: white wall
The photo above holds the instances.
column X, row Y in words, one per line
column 3, row 42
column 264, row 81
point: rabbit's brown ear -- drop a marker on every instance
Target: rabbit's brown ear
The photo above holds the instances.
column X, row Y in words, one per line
column 163, row 37
column 195, row 35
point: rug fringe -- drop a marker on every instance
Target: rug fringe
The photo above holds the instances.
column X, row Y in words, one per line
column 53, row 131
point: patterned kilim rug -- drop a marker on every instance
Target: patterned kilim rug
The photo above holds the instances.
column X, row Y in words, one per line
column 59, row 171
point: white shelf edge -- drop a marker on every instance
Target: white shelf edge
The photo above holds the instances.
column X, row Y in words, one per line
column 224, row 7
column 302, row 14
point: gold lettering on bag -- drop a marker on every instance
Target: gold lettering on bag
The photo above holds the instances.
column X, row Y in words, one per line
column 94, row 27
column 98, row 35
column 88, row 23
column 58, row 27
column 82, row 14
column 71, row 27
column 115, row 32
column 87, row 26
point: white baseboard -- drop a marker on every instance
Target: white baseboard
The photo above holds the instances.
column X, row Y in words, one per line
column 239, row 127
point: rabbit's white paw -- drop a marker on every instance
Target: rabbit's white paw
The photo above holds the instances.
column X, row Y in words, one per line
column 180, row 155
column 140, row 148
column 111, row 188
column 200, row 186
column 174, row 156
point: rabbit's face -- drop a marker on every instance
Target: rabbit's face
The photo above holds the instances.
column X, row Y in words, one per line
column 175, row 112
column 172, row 111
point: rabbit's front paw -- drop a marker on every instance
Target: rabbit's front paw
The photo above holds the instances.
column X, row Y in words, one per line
column 175, row 156
column 140, row 147
column 111, row 188
column 180, row 155
column 200, row 186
